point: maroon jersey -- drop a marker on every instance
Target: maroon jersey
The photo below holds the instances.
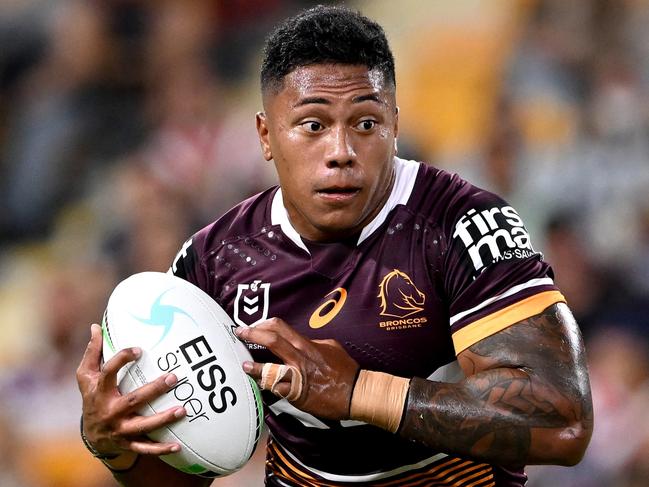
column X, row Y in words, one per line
column 443, row 265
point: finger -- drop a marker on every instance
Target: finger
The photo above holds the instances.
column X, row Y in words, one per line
column 145, row 447
column 282, row 390
column 108, row 379
column 276, row 339
column 253, row 369
column 143, row 425
column 285, row 381
column 134, row 400
column 91, row 361
column 295, row 384
column 285, row 330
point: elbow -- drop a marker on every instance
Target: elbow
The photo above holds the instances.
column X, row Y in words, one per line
column 571, row 443
column 563, row 446
column 580, row 438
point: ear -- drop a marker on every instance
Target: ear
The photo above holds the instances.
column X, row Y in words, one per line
column 262, row 131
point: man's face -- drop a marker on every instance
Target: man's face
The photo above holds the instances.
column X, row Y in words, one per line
column 331, row 132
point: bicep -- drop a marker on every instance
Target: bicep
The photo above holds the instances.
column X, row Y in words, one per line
column 546, row 346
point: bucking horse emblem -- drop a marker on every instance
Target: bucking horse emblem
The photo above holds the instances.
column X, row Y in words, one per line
column 399, row 296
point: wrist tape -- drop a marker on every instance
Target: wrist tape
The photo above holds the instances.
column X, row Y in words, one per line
column 379, row 399
column 93, row 451
column 125, row 462
column 116, row 462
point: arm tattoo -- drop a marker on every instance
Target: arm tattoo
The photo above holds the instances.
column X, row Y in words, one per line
column 523, row 384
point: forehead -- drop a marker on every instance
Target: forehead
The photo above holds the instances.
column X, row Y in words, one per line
column 333, row 80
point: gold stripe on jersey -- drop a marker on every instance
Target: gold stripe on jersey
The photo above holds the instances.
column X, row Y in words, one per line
column 503, row 318
column 487, row 481
column 482, row 478
column 446, row 472
column 472, row 472
column 285, row 469
column 419, row 475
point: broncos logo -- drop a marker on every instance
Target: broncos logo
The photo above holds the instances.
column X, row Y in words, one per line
column 399, row 296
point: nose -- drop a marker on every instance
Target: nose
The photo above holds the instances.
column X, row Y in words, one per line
column 340, row 150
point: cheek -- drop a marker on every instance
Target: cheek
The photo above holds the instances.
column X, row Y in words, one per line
column 380, row 144
column 382, row 155
column 293, row 148
column 293, row 176
column 380, row 152
column 385, row 133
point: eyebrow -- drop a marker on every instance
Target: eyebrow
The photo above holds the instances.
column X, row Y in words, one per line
column 370, row 97
column 323, row 101
column 311, row 100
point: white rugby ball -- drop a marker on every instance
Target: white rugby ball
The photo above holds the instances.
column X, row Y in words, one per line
column 182, row 330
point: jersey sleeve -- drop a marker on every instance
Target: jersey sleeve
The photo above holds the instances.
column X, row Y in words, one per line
column 187, row 263
column 493, row 277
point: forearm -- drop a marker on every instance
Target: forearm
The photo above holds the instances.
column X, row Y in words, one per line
column 150, row 471
column 494, row 416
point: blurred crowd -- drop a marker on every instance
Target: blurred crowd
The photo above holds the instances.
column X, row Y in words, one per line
column 126, row 125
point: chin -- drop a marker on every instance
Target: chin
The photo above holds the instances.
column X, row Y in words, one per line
column 337, row 232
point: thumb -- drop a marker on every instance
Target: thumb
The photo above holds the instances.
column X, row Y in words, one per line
column 91, row 360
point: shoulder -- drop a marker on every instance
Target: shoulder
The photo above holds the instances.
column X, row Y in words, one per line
column 246, row 218
column 443, row 196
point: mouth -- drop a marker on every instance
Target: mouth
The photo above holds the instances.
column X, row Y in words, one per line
column 338, row 193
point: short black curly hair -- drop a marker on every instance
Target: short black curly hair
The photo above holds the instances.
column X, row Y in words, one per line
column 325, row 34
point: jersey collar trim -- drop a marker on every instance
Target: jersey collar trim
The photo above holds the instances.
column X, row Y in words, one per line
column 404, row 182
column 279, row 216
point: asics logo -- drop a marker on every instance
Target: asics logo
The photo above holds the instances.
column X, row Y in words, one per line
column 331, row 308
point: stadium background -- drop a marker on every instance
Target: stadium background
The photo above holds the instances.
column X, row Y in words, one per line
column 126, row 125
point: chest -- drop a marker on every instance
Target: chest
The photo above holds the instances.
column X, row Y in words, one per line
column 380, row 299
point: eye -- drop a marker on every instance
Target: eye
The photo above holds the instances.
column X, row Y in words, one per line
column 312, row 126
column 366, row 125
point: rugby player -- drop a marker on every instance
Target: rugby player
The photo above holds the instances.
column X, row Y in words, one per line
column 403, row 328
